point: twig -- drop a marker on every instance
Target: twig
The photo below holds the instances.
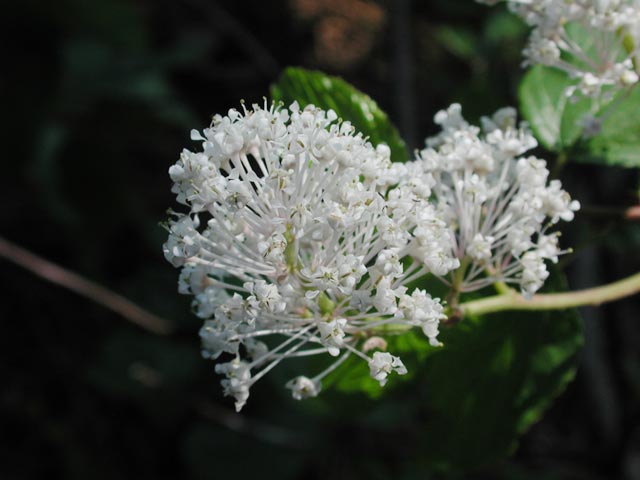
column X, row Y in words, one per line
column 555, row 301
column 86, row 288
column 272, row 434
column 245, row 39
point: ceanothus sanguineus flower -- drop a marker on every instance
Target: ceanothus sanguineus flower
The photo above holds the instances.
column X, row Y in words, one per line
column 497, row 202
column 300, row 239
column 596, row 42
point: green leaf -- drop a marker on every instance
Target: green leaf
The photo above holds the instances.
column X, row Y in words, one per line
column 555, row 119
column 413, row 346
column 494, row 377
column 310, row 87
column 570, row 128
column 542, row 103
column 501, row 27
column 618, row 143
column 353, row 375
column 460, row 42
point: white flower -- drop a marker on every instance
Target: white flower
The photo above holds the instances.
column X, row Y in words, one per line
column 480, row 247
column 301, row 233
column 388, row 263
column 385, row 299
column 332, row 335
column 382, row 364
column 217, row 339
column 264, row 296
column 596, row 42
column 303, row 387
column 183, row 243
column 534, row 273
column 420, row 310
column 208, row 301
column 496, row 212
column 237, row 381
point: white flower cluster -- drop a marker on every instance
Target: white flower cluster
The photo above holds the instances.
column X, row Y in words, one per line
column 597, row 42
column 497, row 203
column 301, row 239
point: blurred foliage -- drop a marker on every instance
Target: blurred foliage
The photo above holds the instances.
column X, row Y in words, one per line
column 619, row 141
column 544, row 104
column 99, row 98
column 555, row 119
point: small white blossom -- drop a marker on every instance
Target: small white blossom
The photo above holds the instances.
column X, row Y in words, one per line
column 237, row 381
column 480, row 247
column 303, row 387
column 420, row 310
column 332, row 335
column 264, row 296
column 388, row 263
column 385, row 299
column 534, row 273
column 217, row 339
column 382, row 364
column 183, row 242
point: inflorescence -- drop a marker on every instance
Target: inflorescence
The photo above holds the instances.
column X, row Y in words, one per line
column 301, row 238
column 496, row 203
column 597, row 42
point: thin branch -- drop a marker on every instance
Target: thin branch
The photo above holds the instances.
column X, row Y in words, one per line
column 244, row 37
column 555, row 301
column 266, row 432
column 86, row 288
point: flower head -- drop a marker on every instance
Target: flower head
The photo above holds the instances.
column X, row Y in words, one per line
column 597, row 42
column 299, row 239
column 497, row 203
column 382, row 364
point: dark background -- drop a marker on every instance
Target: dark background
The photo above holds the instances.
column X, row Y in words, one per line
column 98, row 98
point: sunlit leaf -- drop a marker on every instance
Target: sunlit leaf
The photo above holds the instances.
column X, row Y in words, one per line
column 619, row 141
column 327, row 92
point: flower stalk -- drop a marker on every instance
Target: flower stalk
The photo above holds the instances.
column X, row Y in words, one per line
column 554, row 301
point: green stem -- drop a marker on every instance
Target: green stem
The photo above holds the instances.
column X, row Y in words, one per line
column 554, row 301
column 456, row 282
column 561, row 161
column 502, row 288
